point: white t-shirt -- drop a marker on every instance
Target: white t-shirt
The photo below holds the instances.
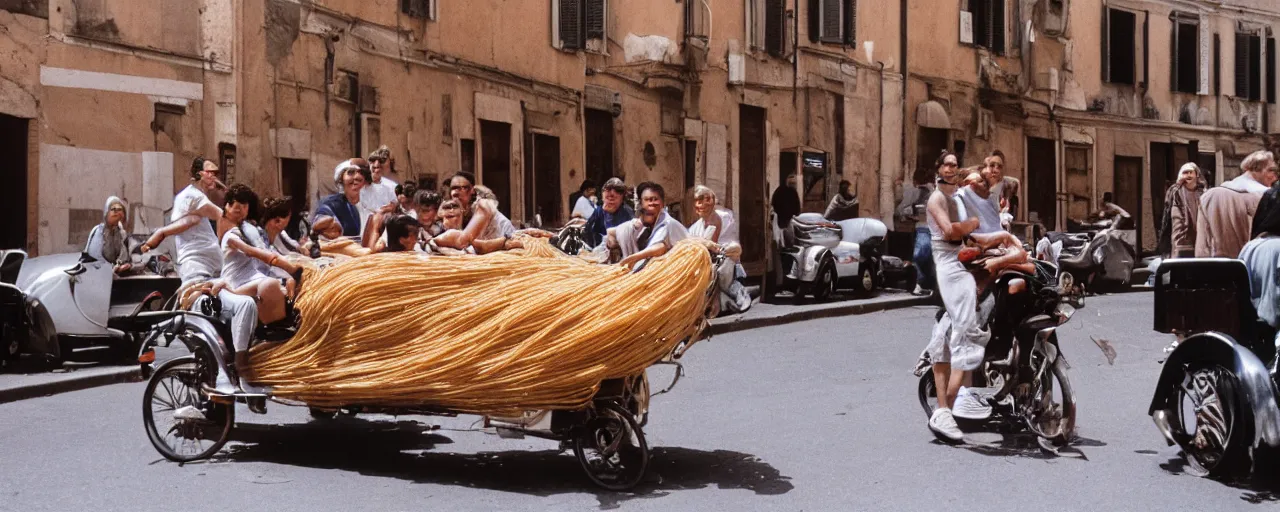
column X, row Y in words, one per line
column 198, row 254
column 729, row 226
column 238, row 268
column 583, row 208
column 376, row 195
column 987, row 213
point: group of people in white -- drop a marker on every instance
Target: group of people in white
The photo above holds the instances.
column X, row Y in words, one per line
column 241, row 252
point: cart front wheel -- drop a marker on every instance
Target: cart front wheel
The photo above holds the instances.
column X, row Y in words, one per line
column 612, row 449
column 183, row 423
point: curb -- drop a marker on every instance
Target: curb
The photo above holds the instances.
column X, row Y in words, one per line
column 115, row 376
column 860, row 308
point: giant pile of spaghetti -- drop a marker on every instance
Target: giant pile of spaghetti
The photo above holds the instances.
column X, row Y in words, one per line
column 496, row 334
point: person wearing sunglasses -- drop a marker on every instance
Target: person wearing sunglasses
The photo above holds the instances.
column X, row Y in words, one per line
column 108, row 241
column 380, row 192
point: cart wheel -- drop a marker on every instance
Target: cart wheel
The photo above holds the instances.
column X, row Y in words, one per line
column 182, row 422
column 866, row 280
column 612, row 449
column 323, row 414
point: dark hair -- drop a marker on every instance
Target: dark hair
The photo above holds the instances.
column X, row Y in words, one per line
column 942, row 158
column 426, row 198
column 277, row 208
column 197, row 165
column 362, row 166
column 241, row 193
column 1107, row 197
column 616, row 185
column 399, row 227
column 471, row 178
column 399, row 190
column 844, row 186
column 409, row 188
column 649, row 185
column 587, row 185
column 997, row 153
column 382, row 152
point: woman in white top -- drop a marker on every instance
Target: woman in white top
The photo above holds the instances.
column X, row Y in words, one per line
column 484, row 221
column 584, row 202
column 245, row 268
column 718, row 225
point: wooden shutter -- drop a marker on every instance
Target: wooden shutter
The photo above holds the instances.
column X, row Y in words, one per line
column 1242, row 65
column 1271, row 70
column 1255, row 68
column 1217, row 64
column 997, row 26
column 832, row 21
column 981, row 14
column 1106, row 44
column 775, row 27
column 851, row 23
column 595, row 19
column 815, row 20
column 416, row 8
column 571, row 24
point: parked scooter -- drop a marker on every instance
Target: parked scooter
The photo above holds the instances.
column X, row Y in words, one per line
column 54, row 305
column 824, row 256
column 1101, row 255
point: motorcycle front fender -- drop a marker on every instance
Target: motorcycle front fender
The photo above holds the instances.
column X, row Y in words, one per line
column 1256, row 389
column 808, row 262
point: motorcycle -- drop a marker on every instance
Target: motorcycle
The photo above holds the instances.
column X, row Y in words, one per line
column 1023, row 360
column 825, row 256
column 1216, row 397
column 1102, row 255
column 54, row 305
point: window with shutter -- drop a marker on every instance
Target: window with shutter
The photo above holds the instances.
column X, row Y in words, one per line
column 595, row 19
column 416, row 8
column 851, row 23
column 775, row 27
column 988, row 24
column 1120, row 46
column 1244, row 61
column 997, row 27
column 1185, row 68
column 832, row 21
column 570, row 26
column 1255, row 68
column 1271, row 70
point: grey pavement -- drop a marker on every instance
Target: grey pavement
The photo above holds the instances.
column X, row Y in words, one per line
column 815, row 415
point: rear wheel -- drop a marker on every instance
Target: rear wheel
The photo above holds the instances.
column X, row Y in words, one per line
column 1208, row 423
column 183, row 423
column 611, row 448
column 866, row 282
column 825, row 285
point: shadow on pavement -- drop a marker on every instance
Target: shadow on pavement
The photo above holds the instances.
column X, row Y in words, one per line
column 402, row 450
column 1024, row 444
column 1260, row 487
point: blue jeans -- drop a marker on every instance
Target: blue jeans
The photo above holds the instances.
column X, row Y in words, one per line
column 923, row 259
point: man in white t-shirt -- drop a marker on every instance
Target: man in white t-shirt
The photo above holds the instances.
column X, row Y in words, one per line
column 652, row 234
column 382, row 190
column 200, row 253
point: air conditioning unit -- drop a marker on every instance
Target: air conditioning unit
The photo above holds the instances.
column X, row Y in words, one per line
column 345, row 86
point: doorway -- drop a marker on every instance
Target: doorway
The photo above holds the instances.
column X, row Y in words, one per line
column 545, row 164
column 13, row 196
column 752, row 144
column 1128, row 189
column 1078, row 183
column 1042, row 182
column 495, row 164
column 930, row 144
column 1166, row 159
column 599, row 147
column 293, row 183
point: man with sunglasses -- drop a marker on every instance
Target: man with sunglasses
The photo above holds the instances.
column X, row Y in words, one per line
column 381, row 190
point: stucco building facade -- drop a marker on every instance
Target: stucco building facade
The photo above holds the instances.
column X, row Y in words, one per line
column 114, row 97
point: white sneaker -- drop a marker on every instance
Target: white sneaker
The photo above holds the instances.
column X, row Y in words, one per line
column 970, row 406
column 944, row 426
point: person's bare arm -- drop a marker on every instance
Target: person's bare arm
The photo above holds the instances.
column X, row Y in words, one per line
column 267, row 257
column 479, row 221
column 495, row 245
column 325, row 225
column 453, row 239
column 177, row 227
column 952, row 231
column 997, row 239
column 658, row 249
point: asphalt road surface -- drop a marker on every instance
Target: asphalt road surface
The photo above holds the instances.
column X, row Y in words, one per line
column 812, row 416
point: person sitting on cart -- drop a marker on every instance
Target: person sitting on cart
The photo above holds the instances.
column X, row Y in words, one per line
column 199, row 258
column 340, row 215
column 108, row 241
column 276, row 214
column 427, row 206
column 612, row 211
column 401, row 234
column 652, row 234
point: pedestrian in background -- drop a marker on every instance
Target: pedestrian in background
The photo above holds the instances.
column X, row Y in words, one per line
column 1181, row 210
column 912, row 209
column 1226, row 213
column 844, row 205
